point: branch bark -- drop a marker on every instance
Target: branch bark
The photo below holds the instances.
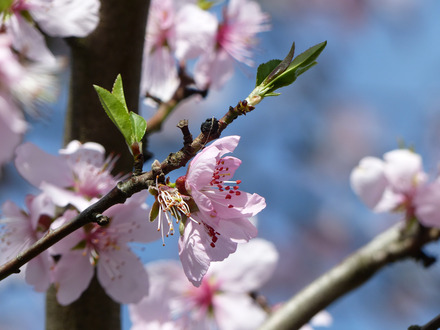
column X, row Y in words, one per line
column 393, row 245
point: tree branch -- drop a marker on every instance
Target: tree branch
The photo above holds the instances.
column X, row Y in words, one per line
column 393, row 245
column 121, row 192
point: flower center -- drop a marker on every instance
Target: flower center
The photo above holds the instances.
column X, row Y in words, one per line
column 231, row 188
column 171, row 205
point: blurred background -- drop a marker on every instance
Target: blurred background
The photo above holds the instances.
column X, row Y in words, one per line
column 376, row 86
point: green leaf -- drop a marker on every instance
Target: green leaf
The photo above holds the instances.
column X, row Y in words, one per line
column 265, row 69
column 116, row 110
column 139, row 125
column 282, row 66
column 118, row 90
column 299, row 65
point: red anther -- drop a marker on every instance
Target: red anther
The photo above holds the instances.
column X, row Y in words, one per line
column 230, row 206
column 238, row 193
column 238, row 181
column 212, row 244
column 236, row 187
column 228, row 196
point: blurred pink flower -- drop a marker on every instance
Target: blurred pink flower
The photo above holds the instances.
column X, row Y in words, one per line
column 235, row 39
column 57, row 18
column 222, row 301
column 78, row 176
column 223, row 211
column 19, row 229
column 173, row 33
column 389, row 184
column 119, row 270
column 398, row 183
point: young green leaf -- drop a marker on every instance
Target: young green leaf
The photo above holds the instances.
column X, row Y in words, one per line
column 116, row 111
column 265, row 69
column 275, row 74
column 299, row 65
column 118, row 90
column 131, row 125
column 139, row 125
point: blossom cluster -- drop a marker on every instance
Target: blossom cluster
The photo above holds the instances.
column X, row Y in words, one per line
column 213, row 214
column 27, row 67
column 69, row 183
column 398, row 183
column 179, row 32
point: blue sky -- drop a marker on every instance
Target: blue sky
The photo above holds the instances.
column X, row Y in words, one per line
column 376, row 84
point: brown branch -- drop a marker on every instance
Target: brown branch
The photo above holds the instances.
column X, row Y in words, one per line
column 431, row 325
column 117, row 195
column 392, row 245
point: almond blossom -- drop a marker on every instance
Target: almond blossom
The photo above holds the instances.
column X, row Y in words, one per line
column 19, row 229
column 223, row 211
column 107, row 248
column 173, row 33
column 57, row 18
column 234, row 41
column 221, row 302
column 397, row 183
column 78, row 176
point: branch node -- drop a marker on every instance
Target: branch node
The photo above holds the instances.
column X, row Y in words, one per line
column 187, row 137
column 100, row 219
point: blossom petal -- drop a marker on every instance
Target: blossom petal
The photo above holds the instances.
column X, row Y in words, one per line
column 68, row 18
column 195, row 31
column 37, row 166
column 72, row 275
column 28, row 40
column 63, row 197
column 192, row 253
column 237, row 312
column 89, row 153
column 130, row 222
column 243, row 205
column 38, row 272
column 368, row 180
column 248, row 268
column 403, row 169
column 239, row 230
column 122, row 275
column 427, row 205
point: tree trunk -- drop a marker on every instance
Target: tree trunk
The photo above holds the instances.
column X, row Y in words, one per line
column 114, row 47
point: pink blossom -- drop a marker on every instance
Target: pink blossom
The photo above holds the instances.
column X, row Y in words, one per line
column 79, row 176
column 397, row 183
column 222, row 301
column 119, row 270
column 61, row 18
column 235, row 40
column 173, row 33
column 12, row 128
column 19, row 229
column 223, row 211
column 389, row 184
